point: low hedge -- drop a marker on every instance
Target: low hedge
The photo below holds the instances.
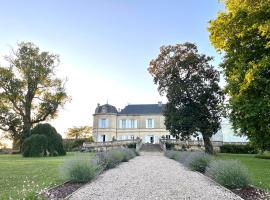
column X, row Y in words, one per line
column 238, row 149
column 263, row 156
column 80, row 169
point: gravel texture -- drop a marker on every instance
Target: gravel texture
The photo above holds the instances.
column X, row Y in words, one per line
column 152, row 176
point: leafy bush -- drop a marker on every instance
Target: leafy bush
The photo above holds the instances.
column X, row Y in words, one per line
column 238, row 149
column 74, row 144
column 79, row 169
column 229, row 173
column 34, row 146
column 198, row 161
column 131, row 145
column 169, row 146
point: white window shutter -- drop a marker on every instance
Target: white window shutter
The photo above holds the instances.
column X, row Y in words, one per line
column 99, row 123
column 120, row 123
column 107, row 123
column 129, row 123
column 135, row 123
column 146, row 123
column 153, row 123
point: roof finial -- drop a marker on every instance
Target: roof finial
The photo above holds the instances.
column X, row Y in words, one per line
column 107, row 101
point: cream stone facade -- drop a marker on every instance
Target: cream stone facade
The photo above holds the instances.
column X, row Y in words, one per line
column 144, row 121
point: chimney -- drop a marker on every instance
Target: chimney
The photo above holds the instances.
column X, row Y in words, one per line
column 160, row 103
column 98, row 105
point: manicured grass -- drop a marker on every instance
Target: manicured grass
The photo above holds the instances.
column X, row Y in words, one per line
column 258, row 168
column 19, row 176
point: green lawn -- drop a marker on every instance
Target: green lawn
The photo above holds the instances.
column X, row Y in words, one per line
column 258, row 168
column 19, row 176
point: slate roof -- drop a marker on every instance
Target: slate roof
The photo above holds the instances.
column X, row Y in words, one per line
column 106, row 108
column 143, row 109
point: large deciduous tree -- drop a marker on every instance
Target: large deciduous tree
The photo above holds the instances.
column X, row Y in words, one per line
column 29, row 91
column 191, row 86
column 242, row 34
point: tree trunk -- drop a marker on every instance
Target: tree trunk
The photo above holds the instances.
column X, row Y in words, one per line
column 208, row 145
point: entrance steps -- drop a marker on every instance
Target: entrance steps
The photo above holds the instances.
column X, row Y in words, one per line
column 151, row 148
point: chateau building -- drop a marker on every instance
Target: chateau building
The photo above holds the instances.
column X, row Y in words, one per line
column 145, row 121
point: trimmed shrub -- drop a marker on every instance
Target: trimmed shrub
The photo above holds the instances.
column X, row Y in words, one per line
column 128, row 154
column 171, row 154
column 229, row 173
column 198, row 161
column 79, row 169
column 183, row 156
column 34, row 146
column 111, row 159
column 115, row 157
column 238, row 149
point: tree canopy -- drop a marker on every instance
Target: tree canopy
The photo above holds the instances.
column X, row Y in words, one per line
column 242, row 34
column 79, row 132
column 191, row 87
column 30, row 92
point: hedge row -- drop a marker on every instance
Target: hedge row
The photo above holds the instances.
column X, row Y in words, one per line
column 229, row 173
column 238, row 149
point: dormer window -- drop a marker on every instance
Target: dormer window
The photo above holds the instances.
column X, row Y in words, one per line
column 103, row 110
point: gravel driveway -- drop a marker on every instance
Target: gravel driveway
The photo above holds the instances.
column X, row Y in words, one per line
column 152, row 176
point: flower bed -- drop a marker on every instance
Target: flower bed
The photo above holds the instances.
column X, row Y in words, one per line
column 79, row 171
column 229, row 173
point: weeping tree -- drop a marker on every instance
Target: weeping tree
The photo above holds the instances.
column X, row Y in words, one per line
column 30, row 93
column 191, row 87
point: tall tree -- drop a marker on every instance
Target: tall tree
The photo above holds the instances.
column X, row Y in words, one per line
column 242, row 34
column 79, row 132
column 30, row 92
column 191, row 86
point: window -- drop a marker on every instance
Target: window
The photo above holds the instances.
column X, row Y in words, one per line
column 103, row 123
column 127, row 123
column 149, row 123
column 133, row 123
column 124, row 123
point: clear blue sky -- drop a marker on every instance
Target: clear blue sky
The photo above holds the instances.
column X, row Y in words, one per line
column 105, row 46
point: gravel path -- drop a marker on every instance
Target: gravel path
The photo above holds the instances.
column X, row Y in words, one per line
column 152, row 176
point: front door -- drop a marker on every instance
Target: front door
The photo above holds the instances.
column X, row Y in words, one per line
column 149, row 139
